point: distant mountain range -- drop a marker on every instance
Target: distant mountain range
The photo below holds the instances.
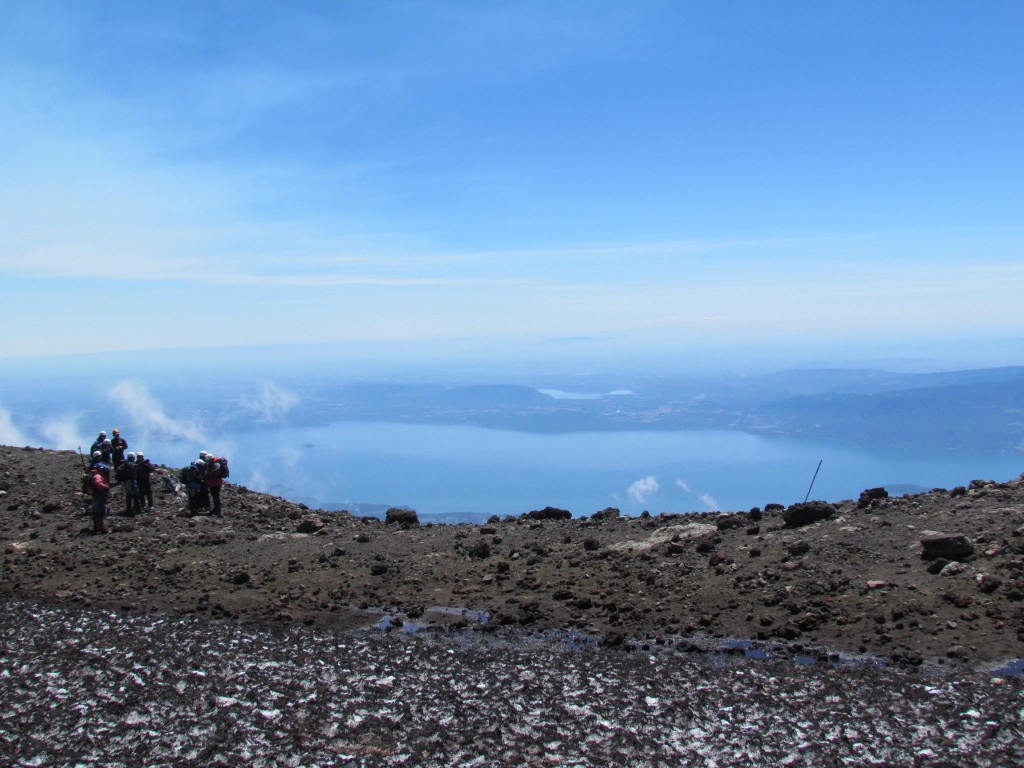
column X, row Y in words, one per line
column 969, row 410
column 954, row 411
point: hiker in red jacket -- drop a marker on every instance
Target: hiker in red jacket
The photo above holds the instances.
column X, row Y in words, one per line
column 215, row 474
column 96, row 484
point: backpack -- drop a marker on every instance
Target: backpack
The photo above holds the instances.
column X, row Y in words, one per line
column 128, row 474
column 87, row 483
column 224, row 472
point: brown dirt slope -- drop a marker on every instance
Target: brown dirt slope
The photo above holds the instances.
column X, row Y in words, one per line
column 854, row 581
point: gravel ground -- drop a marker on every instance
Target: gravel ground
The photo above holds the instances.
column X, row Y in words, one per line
column 85, row 687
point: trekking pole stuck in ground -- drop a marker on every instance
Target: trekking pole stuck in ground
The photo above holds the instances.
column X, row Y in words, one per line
column 812, row 481
column 82, row 458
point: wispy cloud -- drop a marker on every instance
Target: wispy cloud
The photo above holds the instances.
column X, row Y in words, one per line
column 684, row 485
column 63, row 432
column 710, row 502
column 644, row 490
column 271, row 403
column 147, row 413
column 10, row 434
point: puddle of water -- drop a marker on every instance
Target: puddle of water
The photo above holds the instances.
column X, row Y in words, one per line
column 480, row 617
column 1012, row 668
column 750, row 650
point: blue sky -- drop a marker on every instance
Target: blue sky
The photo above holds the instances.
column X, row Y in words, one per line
column 604, row 176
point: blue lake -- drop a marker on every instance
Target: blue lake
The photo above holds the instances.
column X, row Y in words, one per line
column 469, row 471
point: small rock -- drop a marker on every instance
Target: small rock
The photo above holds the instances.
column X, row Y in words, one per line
column 988, row 584
column 798, row 548
column 953, row 569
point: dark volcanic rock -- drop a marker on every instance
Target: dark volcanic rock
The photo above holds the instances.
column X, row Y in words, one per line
column 480, row 550
column 871, row 494
column 608, row 513
column 404, row 517
column 310, row 525
column 798, row 548
column 807, row 512
column 953, row 547
column 549, row 513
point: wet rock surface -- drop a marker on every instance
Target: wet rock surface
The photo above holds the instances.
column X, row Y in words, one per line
column 94, row 687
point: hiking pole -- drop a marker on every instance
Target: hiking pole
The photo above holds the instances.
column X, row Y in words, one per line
column 812, row 481
column 82, row 458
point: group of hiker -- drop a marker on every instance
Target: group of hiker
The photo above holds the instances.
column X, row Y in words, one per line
column 203, row 479
column 110, row 463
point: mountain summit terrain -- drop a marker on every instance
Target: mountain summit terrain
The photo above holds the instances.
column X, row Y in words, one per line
column 930, row 578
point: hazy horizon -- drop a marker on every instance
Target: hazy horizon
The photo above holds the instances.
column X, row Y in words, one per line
column 674, row 184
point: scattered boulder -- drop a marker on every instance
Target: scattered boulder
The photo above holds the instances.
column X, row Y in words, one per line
column 953, row 568
column 406, row 518
column 725, row 522
column 798, row 548
column 480, row 550
column 807, row 512
column 871, row 494
column 591, row 545
column 988, row 584
column 310, row 525
column 549, row 513
column 947, row 547
column 52, row 506
column 704, row 546
column 608, row 513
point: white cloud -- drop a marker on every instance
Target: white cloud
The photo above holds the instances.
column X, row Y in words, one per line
column 272, row 402
column 644, row 489
column 684, row 485
column 63, row 433
column 147, row 412
column 711, row 502
column 10, row 434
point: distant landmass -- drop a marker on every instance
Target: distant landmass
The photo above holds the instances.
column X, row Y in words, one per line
column 952, row 411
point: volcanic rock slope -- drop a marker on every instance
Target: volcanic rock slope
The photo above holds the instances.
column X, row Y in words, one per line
column 935, row 578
